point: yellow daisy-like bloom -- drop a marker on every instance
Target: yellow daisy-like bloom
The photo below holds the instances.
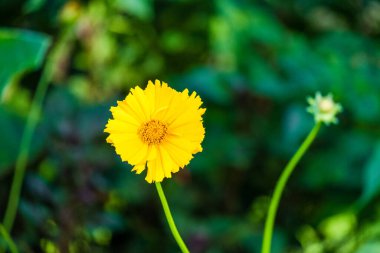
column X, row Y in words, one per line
column 158, row 127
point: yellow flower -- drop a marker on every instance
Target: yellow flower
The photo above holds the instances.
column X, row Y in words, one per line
column 158, row 127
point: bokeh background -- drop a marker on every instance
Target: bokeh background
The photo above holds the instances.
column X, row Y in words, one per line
column 254, row 63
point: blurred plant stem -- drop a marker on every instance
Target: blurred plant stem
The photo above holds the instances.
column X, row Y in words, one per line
column 8, row 239
column 170, row 220
column 279, row 188
column 31, row 123
column 26, row 141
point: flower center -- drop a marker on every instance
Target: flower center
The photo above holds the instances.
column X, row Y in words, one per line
column 326, row 105
column 152, row 132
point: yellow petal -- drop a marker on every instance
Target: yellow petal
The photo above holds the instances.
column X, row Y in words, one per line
column 139, row 156
column 121, row 114
column 139, row 168
column 167, row 162
column 115, row 126
column 157, row 173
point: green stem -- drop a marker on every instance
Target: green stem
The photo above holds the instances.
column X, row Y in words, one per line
column 170, row 220
column 8, row 239
column 22, row 158
column 280, row 185
column 31, row 123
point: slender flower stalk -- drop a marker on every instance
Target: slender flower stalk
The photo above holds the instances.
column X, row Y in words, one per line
column 11, row 245
column 31, row 124
column 22, row 158
column 324, row 110
column 269, row 223
column 170, row 220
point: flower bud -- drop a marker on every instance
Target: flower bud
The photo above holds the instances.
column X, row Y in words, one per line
column 323, row 108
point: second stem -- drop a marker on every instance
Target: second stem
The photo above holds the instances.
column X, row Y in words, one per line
column 170, row 220
column 280, row 185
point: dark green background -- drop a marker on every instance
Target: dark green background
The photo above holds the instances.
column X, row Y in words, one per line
column 253, row 63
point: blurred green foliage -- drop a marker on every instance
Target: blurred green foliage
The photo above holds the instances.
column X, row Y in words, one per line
column 253, row 63
column 20, row 51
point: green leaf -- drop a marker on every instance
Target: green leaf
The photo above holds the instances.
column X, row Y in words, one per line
column 370, row 247
column 339, row 226
column 371, row 184
column 33, row 5
column 140, row 8
column 20, row 50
